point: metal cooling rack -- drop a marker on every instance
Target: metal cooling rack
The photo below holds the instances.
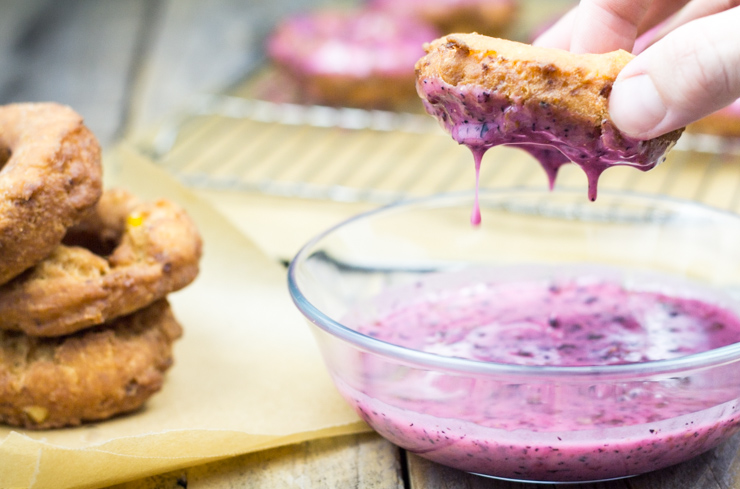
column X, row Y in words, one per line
column 344, row 154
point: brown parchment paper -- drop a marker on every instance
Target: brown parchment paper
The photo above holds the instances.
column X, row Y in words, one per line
column 247, row 373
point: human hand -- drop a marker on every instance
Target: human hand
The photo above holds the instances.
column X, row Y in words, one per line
column 692, row 69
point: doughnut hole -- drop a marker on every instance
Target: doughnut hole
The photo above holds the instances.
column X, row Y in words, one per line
column 99, row 243
column 5, row 154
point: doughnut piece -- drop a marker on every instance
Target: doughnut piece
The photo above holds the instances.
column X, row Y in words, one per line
column 354, row 58
column 88, row 376
column 486, row 92
column 123, row 256
column 50, row 175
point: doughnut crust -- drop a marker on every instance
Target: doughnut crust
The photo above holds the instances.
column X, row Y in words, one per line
column 50, row 175
column 487, row 91
column 121, row 257
column 88, row 376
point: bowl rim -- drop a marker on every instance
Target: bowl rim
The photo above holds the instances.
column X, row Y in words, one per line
column 420, row 359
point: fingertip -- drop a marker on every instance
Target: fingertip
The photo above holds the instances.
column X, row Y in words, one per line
column 559, row 34
column 636, row 107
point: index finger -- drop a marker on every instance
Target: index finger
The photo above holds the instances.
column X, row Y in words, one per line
column 601, row 26
column 598, row 26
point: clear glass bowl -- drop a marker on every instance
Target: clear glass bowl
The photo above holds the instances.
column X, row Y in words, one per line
column 526, row 422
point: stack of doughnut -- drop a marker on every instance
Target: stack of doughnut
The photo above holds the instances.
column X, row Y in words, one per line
column 86, row 331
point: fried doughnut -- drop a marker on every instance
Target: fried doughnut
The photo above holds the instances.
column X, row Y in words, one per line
column 50, row 175
column 123, row 256
column 90, row 375
column 488, row 91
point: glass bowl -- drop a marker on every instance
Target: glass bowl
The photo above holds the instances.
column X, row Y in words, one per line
column 648, row 401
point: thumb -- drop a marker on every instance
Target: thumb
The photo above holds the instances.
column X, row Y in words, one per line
column 691, row 72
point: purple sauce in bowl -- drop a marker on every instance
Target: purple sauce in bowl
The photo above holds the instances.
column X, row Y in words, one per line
column 562, row 341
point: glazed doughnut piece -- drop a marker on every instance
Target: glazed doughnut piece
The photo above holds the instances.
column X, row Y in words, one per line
column 487, row 91
column 120, row 258
column 50, row 175
column 88, row 376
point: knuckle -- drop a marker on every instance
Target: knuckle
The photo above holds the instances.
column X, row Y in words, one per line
column 627, row 12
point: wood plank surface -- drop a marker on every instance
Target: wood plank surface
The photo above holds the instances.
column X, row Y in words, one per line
column 360, row 461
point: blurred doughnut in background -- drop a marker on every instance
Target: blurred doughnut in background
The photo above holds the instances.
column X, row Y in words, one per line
column 350, row 57
column 488, row 17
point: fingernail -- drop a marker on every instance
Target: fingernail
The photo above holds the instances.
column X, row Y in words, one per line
column 636, row 107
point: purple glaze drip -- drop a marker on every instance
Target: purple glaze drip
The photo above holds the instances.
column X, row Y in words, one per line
column 550, row 159
column 482, row 119
column 477, row 158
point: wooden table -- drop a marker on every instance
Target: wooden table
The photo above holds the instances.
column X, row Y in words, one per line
column 125, row 65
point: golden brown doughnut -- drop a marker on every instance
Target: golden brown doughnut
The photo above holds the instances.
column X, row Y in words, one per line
column 88, row 376
column 724, row 122
column 50, row 175
column 487, row 91
column 123, row 256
